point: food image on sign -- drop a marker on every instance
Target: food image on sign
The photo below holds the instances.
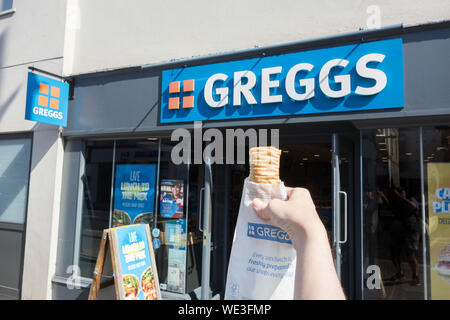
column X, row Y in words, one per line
column 443, row 264
column 144, row 218
column 148, row 285
column 130, row 286
column 172, row 199
column 121, row 218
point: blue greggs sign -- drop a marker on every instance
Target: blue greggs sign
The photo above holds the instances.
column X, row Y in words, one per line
column 357, row 77
column 47, row 100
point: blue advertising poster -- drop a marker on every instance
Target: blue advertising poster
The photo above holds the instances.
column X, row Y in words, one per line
column 137, row 274
column 134, row 194
column 171, row 199
column 47, row 100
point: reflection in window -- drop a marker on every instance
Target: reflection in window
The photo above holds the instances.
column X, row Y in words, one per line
column 96, row 182
column 14, row 172
column 392, row 214
column 178, row 259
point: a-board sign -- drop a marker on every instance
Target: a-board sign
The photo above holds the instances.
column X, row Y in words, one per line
column 133, row 262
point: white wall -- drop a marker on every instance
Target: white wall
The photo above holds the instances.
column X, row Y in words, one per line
column 110, row 34
column 43, row 213
column 34, row 36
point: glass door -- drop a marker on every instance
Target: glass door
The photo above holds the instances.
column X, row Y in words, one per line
column 321, row 163
column 15, row 157
column 342, row 164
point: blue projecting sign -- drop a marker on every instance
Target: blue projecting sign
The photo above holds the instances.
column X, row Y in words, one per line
column 47, row 100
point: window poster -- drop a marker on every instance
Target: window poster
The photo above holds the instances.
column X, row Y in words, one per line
column 134, row 194
column 171, row 199
column 176, row 240
column 135, row 263
column 439, row 229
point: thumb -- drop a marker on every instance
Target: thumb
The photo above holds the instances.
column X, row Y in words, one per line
column 261, row 208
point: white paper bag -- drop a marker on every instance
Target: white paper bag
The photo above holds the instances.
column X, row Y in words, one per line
column 262, row 260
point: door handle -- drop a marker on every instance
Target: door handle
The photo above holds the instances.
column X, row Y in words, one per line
column 345, row 217
column 200, row 211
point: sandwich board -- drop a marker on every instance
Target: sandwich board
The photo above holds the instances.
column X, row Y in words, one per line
column 133, row 263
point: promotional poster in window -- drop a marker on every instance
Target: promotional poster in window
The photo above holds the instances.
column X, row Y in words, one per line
column 439, row 229
column 176, row 240
column 134, row 194
column 172, row 199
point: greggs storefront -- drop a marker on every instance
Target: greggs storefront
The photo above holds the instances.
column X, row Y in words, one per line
column 363, row 122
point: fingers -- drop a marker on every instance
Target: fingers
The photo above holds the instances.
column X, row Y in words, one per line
column 299, row 194
column 289, row 191
column 269, row 211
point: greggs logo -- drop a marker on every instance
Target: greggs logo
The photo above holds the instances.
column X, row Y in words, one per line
column 48, row 94
column 48, row 102
column 356, row 77
column 48, row 97
column 267, row 232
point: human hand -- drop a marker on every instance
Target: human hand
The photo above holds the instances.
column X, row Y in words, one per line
column 297, row 215
column 315, row 275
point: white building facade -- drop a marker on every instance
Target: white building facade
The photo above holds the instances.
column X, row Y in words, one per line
column 78, row 39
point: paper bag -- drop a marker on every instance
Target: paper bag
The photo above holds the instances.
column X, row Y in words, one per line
column 262, row 261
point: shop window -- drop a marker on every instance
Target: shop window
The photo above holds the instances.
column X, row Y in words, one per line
column 15, row 156
column 14, row 172
column 393, row 244
column 140, row 184
column 96, row 186
column 436, row 165
column 179, row 256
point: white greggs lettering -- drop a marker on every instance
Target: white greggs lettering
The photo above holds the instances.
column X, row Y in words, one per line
column 244, row 88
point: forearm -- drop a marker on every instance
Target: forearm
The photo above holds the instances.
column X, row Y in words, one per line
column 316, row 276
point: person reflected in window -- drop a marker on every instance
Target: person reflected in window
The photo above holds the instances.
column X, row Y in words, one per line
column 404, row 233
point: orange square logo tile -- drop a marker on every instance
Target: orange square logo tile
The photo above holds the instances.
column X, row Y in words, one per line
column 178, row 93
column 43, row 88
column 188, row 102
column 54, row 103
column 174, row 87
column 43, row 101
column 188, row 85
column 54, row 92
column 174, row 103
